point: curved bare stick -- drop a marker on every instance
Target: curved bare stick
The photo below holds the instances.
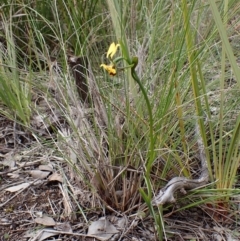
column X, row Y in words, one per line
column 166, row 194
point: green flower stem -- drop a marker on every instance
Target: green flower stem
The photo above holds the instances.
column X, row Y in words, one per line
column 151, row 139
column 148, row 197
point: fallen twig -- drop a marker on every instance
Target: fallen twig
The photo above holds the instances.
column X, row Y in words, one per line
column 166, row 194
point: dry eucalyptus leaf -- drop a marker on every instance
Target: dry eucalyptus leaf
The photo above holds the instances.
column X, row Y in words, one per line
column 55, row 177
column 46, row 168
column 46, row 234
column 38, row 174
column 121, row 222
column 63, row 227
column 18, row 157
column 101, row 229
column 39, row 214
column 5, row 220
column 38, row 121
column 40, row 235
column 38, row 182
column 32, row 233
column 18, row 187
column 8, row 162
column 10, row 159
column 13, row 175
column 47, row 221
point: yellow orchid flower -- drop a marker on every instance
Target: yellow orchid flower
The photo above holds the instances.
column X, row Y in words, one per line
column 110, row 69
column 112, row 50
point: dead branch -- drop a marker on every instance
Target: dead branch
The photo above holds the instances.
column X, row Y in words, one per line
column 166, row 194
